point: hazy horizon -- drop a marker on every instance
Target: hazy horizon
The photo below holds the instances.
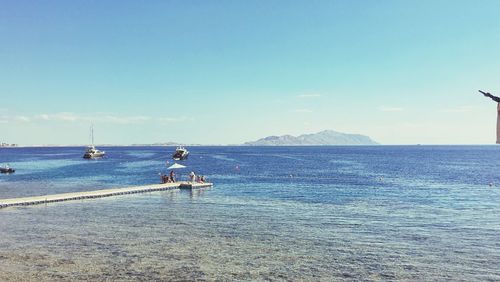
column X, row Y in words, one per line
column 226, row 72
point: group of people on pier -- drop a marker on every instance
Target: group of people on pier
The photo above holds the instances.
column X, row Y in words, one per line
column 196, row 178
column 170, row 178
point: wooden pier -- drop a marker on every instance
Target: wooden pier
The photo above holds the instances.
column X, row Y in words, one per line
column 35, row 200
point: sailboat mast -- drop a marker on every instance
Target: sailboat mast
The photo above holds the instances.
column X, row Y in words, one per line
column 92, row 134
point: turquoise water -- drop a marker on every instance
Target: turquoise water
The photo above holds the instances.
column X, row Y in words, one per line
column 427, row 213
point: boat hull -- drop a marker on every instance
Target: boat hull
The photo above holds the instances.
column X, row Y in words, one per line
column 7, row 170
column 180, row 155
column 93, row 155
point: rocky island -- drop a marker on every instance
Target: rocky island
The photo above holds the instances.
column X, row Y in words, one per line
column 323, row 138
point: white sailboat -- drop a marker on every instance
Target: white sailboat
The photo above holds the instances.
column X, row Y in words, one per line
column 92, row 152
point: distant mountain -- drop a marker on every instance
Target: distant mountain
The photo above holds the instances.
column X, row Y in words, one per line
column 326, row 137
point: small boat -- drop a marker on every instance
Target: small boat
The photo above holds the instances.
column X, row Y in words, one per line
column 180, row 154
column 92, row 152
column 7, row 169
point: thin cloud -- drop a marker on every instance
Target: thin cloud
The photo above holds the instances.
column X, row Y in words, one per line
column 303, row 111
column 123, row 120
column 309, row 96
column 391, row 109
column 460, row 109
column 178, row 119
column 63, row 116
column 43, row 117
column 22, row 118
column 98, row 118
column 7, row 119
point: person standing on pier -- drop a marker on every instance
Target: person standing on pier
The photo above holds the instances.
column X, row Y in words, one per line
column 172, row 176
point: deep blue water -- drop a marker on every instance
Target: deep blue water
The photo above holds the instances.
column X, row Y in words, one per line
column 275, row 213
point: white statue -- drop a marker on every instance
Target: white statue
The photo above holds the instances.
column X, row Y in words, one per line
column 496, row 99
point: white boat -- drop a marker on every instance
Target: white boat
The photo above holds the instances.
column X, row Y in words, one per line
column 92, row 152
column 6, row 169
column 180, row 154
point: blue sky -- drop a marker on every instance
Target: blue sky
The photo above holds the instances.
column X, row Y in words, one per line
column 226, row 72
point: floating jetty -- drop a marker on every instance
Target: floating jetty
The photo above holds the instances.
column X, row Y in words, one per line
column 36, row 200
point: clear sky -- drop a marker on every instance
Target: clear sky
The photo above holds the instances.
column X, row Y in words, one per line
column 226, row 72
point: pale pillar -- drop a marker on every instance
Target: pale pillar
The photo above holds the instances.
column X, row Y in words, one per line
column 498, row 123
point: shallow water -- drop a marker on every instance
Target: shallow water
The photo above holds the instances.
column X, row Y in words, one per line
column 287, row 213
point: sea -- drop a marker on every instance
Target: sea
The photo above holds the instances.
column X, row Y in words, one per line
column 329, row 213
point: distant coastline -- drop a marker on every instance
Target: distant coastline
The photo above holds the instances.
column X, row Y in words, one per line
column 231, row 145
column 7, row 145
column 323, row 138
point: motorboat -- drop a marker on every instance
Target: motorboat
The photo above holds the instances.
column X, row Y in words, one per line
column 7, row 169
column 92, row 152
column 180, row 154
